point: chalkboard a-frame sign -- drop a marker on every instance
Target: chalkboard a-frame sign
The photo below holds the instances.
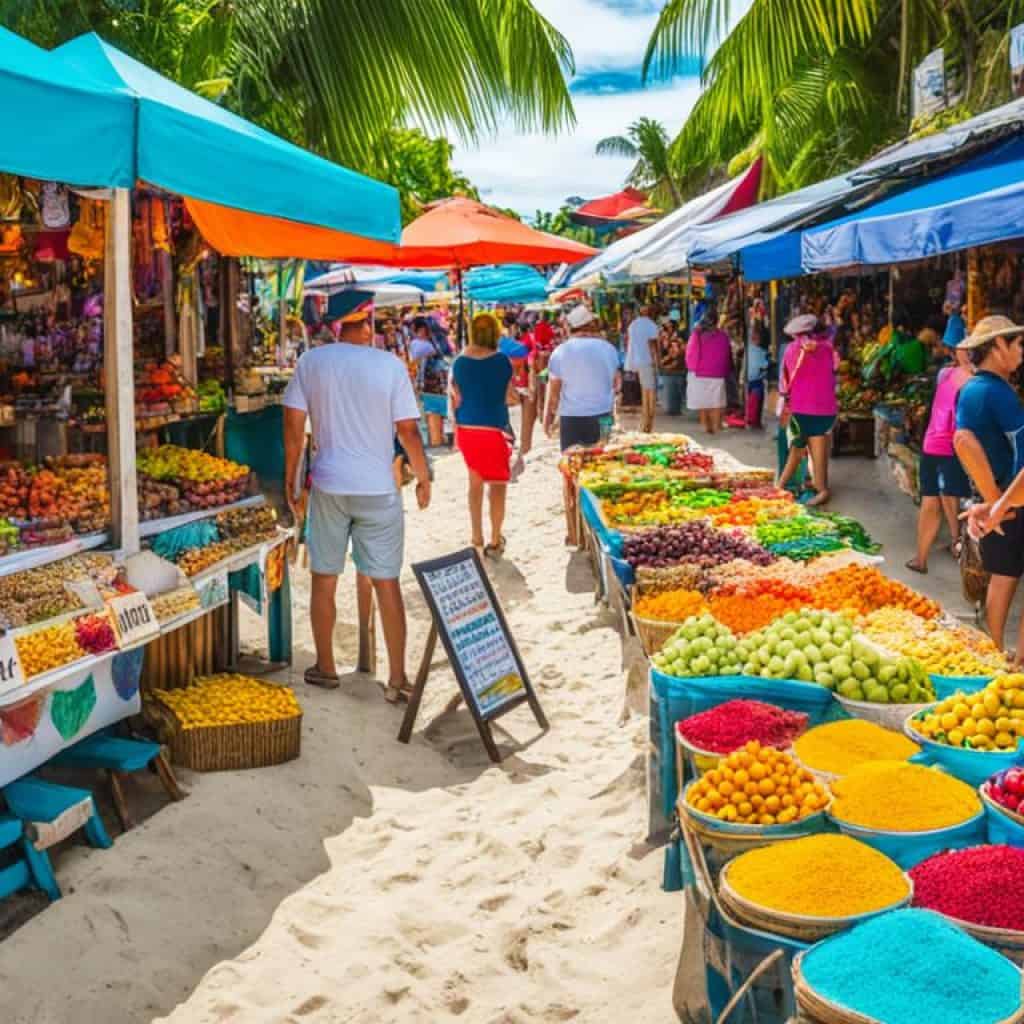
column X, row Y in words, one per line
column 480, row 648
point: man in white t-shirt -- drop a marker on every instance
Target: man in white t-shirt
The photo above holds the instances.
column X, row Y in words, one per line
column 357, row 398
column 642, row 359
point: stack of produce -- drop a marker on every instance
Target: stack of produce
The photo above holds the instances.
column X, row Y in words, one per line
column 700, row 647
column 756, row 604
column 990, row 719
column 746, row 510
column 174, row 603
column 836, row 748
column 648, row 508
column 1006, row 788
column 894, row 796
column 650, row 580
column 738, row 573
column 670, row 606
column 697, row 543
column 228, row 699
column 252, row 524
column 95, row 633
column 757, row 785
column 849, row 530
column 941, row 650
column 204, row 481
column 727, row 727
column 48, row 648
column 703, row 498
column 772, row 531
column 35, row 595
column 983, row 885
column 874, row 970
column 859, row 589
column 820, row 876
column 697, row 463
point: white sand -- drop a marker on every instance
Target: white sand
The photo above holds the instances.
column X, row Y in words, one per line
column 525, row 892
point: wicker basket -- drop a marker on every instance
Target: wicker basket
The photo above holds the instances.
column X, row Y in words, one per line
column 226, row 747
column 796, row 926
column 728, row 841
column 653, row 633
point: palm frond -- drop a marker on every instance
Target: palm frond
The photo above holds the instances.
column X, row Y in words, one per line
column 616, row 145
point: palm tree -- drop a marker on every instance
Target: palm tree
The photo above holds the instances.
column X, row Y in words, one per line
column 814, row 85
column 646, row 141
column 337, row 75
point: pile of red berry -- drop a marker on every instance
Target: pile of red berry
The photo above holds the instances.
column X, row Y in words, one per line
column 95, row 634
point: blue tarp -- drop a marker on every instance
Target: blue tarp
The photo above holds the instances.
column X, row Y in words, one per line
column 58, row 124
column 514, row 282
column 190, row 146
column 979, row 203
column 773, row 259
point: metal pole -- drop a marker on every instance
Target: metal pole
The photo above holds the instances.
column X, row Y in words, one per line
column 119, row 373
column 461, row 336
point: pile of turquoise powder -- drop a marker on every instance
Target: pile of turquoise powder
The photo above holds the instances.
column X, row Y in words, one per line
column 910, row 966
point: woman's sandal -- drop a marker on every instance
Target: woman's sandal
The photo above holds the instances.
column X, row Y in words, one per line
column 397, row 694
column 315, row 677
column 495, row 551
column 956, row 549
column 915, row 566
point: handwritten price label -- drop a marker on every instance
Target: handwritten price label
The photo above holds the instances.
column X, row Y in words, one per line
column 12, row 677
column 134, row 619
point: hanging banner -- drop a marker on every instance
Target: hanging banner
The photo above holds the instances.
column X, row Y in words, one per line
column 1017, row 60
column 929, row 92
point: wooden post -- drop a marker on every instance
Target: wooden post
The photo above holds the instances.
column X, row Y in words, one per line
column 773, row 298
column 170, row 317
column 282, row 313
column 973, row 289
column 119, row 373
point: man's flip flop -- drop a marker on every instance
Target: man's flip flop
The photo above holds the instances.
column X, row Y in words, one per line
column 315, row 677
column 397, row 694
column 495, row 551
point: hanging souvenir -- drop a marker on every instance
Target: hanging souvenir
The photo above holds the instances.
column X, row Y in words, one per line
column 87, row 236
column 161, row 233
column 70, row 709
column 54, row 206
column 20, row 721
column 11, row 197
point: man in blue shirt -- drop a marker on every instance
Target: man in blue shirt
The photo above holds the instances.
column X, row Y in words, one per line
column 989, row 441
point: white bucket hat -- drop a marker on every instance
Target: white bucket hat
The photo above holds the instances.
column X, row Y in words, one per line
column 579, row 316
column 803, row 324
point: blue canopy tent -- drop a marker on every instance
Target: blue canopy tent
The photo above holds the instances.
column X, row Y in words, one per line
column 61, row 124
column 978, row 203
column 513, row 282
column 192, row 147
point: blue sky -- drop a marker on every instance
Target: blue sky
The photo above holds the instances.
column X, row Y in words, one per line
column 608, row 38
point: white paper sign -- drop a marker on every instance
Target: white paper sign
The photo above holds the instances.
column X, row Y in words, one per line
column 134, row 619
column 12, row 677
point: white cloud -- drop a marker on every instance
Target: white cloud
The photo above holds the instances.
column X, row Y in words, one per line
column 531, row 172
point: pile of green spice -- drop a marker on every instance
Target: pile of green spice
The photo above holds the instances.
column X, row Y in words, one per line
column 910, row 966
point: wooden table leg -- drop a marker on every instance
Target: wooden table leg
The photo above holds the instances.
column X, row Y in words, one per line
column 167, row 777
column 120, row 804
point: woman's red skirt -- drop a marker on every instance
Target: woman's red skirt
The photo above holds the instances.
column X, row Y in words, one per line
column 486, row 451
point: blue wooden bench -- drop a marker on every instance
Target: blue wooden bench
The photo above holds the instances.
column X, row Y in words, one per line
column 117, row 757
column 32, row 868
column 50, row 811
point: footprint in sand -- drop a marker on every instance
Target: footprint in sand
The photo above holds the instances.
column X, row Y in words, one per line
column 306, row 938
column 493, row 903
column 514, row 949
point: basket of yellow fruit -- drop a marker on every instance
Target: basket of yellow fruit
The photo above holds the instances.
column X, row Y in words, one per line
column 227, row 722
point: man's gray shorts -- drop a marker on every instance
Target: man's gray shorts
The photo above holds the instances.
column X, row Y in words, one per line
column 375, row 523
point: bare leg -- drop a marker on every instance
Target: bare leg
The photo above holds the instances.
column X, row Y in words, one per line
column 322, row 616
column 951, row 510
column 929, row 520
column 819, row 468
column 496, row 494
column 793, row 460
column 529, row 419
column 714, row 421
column 392, row 617
column 476, row 508
column 647, row 420
column 569, row 499
column 703, row 415
column 997, row 606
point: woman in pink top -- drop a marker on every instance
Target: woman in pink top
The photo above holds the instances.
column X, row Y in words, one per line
column 808, row 391
column 709, row 362
column 943, row 480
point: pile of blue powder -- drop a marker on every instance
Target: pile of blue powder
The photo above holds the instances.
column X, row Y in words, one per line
column 911, row 966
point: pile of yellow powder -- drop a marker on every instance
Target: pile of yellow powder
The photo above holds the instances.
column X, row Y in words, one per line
column 893, row 796
column 839, row 747
column 823, row 875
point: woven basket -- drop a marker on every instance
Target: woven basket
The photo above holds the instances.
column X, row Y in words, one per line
column 227, row 747
column 795, row 926
column 741, row 837
column 653, row 633
column 816, row 1009
column 1017, row 819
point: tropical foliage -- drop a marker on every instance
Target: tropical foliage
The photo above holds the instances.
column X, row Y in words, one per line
column 647, row 143
column 342, row 77
column 814, row 86
column 560, row 223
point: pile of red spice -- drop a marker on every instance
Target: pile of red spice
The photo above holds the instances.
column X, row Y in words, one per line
column 728, row 727
column 981, row 885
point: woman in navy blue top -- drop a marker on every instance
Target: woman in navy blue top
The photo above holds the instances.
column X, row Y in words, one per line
column 481, row 392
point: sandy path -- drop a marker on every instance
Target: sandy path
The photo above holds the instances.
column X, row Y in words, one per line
column 524, row 893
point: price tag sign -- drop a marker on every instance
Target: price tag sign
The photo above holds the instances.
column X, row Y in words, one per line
column 134, row 619
column 12, row 677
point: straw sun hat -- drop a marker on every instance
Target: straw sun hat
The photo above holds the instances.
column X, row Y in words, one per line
column 803, row 324
column 989, row 328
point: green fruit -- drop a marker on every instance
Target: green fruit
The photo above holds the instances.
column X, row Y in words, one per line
column 840, row 668
column 829, row 651
column 848, row 687
column 821, row 637
column 804, row 674
column 825, row 679
column 901, row 694
column 860, row 670
column 878, row 695
column 813, row 653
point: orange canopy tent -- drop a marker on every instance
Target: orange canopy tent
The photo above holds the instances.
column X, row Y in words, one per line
column 463, row 233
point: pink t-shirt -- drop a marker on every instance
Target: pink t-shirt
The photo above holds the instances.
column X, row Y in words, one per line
column 810, row 376
column 938, row 438
column 709, row 354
